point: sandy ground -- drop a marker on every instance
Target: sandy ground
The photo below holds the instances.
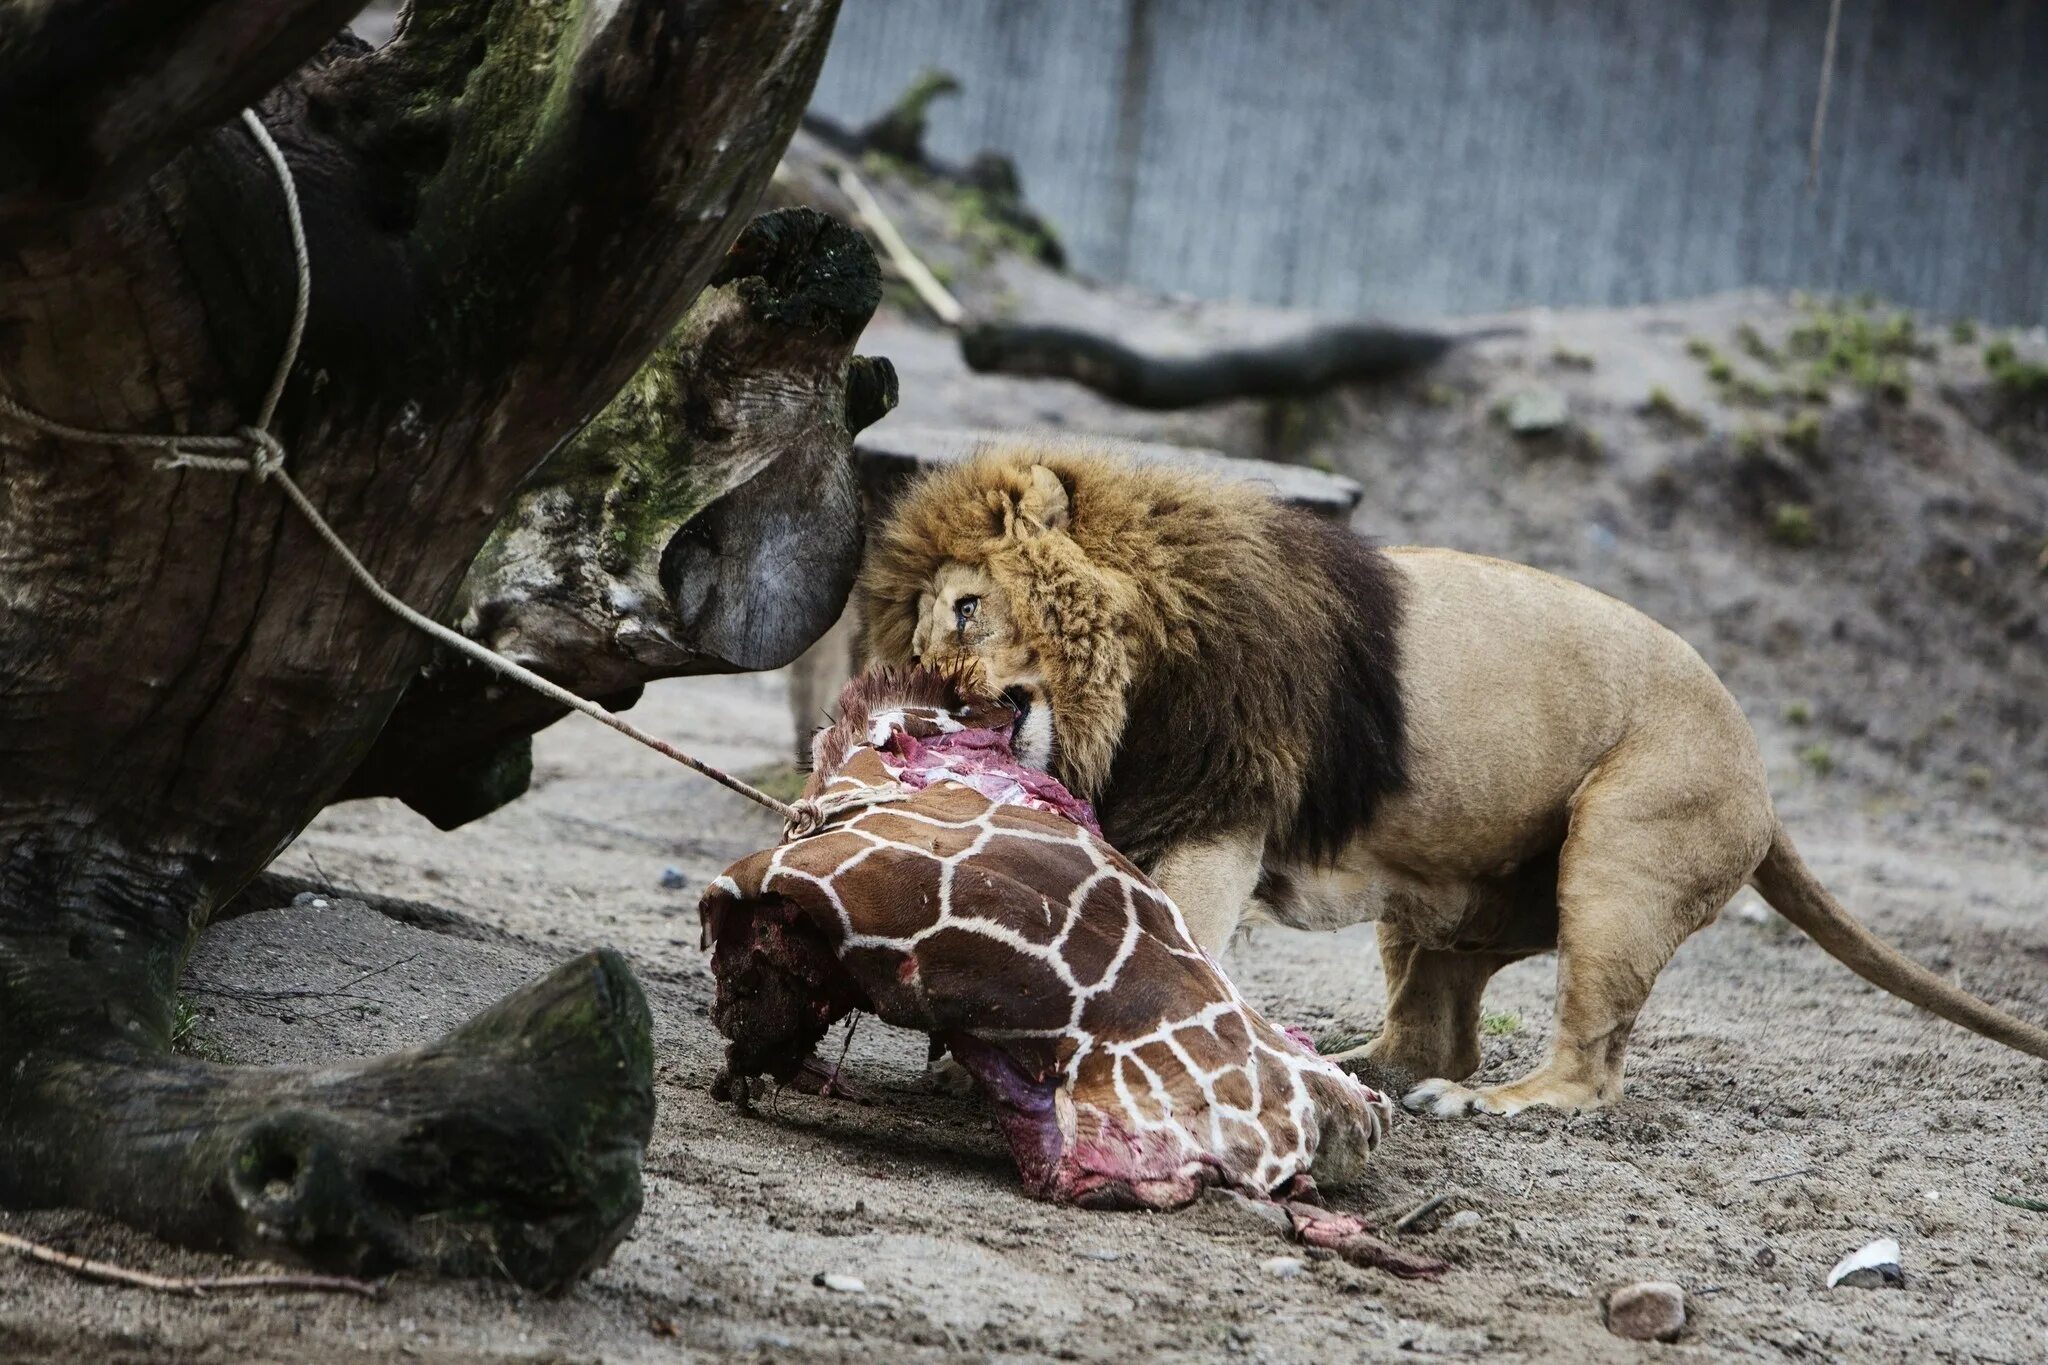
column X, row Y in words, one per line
column 1779, row 1114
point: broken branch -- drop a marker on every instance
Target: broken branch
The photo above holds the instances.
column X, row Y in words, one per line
column 1292, row 367
column 195, row 1287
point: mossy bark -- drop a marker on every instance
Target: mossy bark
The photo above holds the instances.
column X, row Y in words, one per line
column 508, row 208
column 708, row 520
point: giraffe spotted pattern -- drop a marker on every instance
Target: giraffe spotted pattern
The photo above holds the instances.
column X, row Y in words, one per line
column 937, row 883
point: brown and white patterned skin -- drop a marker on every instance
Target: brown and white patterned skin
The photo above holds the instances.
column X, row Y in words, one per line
column 941, row 885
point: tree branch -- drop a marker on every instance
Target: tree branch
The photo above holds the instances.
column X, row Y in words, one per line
column 95, row 94
column 1293, row 367
column 707, row 521
column 580, row 163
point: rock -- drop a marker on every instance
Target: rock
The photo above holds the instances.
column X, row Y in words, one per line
column 672, row 879
column 1462, row 1219
column 1264, row 1210
column 1533, row 412
column 1283, row 1267
column 1650, row 1310
column 1102, row 1254
column 839, row 1284
column 1875, row 1266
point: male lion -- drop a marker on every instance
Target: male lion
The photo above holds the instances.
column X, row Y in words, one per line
column 1279, row 721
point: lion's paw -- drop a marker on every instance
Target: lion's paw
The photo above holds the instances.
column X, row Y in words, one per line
column 1442, row 1099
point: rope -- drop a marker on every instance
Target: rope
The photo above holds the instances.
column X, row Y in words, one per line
column 813, row 813
column 259, row 453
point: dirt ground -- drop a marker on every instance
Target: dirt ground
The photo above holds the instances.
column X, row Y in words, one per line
column 1779, row 1113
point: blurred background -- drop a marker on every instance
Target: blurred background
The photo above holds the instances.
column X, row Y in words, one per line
column 1421, row 159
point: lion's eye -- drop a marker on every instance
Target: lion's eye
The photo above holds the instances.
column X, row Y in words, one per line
column 964, row 609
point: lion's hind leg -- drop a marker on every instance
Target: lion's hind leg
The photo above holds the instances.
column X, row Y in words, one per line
column 1655, row 850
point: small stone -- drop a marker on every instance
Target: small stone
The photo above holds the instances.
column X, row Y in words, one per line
column 672, row 879
column 1264, row 1210
column 1533, row 412
column 1462, row 1219
column 1651, row 1310
column 1101, row 1254
column 1283, row 1267
column 1875, row 1266
column 839, row 1284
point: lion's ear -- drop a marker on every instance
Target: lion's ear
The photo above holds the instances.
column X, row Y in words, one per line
column 1043, row 506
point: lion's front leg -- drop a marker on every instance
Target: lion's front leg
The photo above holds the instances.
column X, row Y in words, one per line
column 1212, row 881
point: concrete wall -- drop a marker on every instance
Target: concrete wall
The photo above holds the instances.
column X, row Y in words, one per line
column 1417, row 157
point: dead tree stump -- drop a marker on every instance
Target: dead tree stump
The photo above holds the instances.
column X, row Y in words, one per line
column 509, row 208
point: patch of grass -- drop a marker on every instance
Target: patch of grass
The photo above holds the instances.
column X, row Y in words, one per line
column 1699, row 348
column 1441, row 396
column 1750, row 442
column 783, row 781
column 1792, row 524
column 1749, row 392
column 1752, row 344
column 1802, row 435
column 1719, row 370
column 1963, row 332
column 1564, row 357
column 1979, row 777
column 1819, row 760
column 185, row 1039
column 1850, row 344
column 2021, row 378
column 1798, row 713
column 1662, row 406
column 1500, row 1024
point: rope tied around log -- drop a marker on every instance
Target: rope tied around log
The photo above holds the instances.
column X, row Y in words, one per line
column 254, row 451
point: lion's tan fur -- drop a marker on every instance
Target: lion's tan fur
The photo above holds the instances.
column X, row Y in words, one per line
column 1567, row 772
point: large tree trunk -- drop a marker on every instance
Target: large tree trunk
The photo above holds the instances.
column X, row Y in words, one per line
column 507, row 208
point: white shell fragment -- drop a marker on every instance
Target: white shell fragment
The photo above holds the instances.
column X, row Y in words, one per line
column 1871, row 1267
column 841, row 1284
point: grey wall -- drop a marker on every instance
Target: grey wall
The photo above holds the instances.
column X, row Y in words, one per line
column 1414, row 157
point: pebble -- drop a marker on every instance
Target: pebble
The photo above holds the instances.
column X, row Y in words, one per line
column 1283, row 1267
column 839, row 1284
column 1462, row 1219
column 1650, row 1310
column 1102, row 1254
column 672, row 879
column 1264, row 1210
column 1535, row 411
column 1874, row 1266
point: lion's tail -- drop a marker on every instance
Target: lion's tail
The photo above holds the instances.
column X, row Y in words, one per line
column 1789, row 885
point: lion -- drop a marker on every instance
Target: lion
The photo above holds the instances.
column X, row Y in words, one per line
column 1281, row 722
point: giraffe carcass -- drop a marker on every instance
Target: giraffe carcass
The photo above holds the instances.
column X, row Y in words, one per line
column 933, row 880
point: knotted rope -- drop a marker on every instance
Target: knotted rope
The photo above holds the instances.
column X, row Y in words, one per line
column 254, row 451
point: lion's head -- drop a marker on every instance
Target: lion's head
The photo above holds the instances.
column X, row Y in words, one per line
column 1045, row 565
column 981, row 561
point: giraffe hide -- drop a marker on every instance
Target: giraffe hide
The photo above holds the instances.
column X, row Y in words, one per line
column 949, row 894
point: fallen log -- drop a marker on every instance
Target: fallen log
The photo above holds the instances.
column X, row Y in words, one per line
column 1298, row 366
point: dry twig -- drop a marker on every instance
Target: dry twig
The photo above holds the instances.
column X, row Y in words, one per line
column 191, row 1286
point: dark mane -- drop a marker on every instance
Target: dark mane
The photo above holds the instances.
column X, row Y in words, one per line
column 881, row 688
column 1297, row 706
